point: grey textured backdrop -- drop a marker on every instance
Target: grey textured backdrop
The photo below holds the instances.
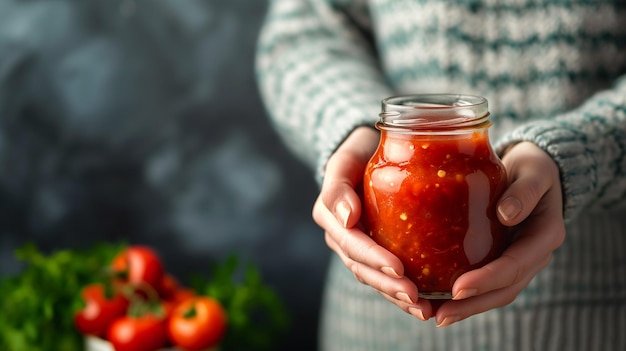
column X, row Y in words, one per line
column 141, row 120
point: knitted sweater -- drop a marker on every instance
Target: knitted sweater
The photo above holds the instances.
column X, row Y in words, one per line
column 533, row 60
column 554, row 73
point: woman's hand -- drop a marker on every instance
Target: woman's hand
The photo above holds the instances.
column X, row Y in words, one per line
column 533, row 203
column 338, row 210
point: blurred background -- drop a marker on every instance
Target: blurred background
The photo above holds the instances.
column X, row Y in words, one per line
column 141, row 121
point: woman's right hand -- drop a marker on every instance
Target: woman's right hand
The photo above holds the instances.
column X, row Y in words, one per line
column 338, row 210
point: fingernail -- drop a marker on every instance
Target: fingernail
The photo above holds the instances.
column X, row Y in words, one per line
column 448, row 321
column 390, row 272
column 402, row 296
column 342, row 211
column 417, row 313
column 465, row 293
column 509, row 208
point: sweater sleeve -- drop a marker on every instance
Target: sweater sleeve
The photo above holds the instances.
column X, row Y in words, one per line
column 318, row 76
column 589, row 146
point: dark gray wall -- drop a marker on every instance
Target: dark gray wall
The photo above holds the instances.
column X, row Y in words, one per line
column 141, row 120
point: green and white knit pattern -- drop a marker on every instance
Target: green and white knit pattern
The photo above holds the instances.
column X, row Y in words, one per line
column 553, row 72
column 531, row 60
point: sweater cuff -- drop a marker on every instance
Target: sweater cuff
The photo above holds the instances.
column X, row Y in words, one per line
column 578, row 171
column 335, row 135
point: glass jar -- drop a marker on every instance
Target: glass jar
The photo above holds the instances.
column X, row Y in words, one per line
column 431, row 188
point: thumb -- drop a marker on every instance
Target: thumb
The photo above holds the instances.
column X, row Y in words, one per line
column 531, row 175
column 344, row 173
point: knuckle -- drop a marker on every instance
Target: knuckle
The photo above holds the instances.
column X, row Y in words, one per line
column 533, row 191
column 515, row 269
column 356, row 248
column 354, row 268
column 383, row 286
column 558, row 238
column 335, row 159
column 317, row 211
column 369, row 250
column 344, row 245
column 546, row 261
column 508, row 299
column 518, row 269
column 351, row 266
column 329, row 240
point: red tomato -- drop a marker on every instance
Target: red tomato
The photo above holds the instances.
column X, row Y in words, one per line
column 197, row 323
column 99, row 311
column 144, row 333
column 137, row 266
column 183, row 294
column 167, row 287
column 177, row 297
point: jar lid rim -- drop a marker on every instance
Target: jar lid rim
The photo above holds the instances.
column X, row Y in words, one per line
column 433, row 101
column 434, row 110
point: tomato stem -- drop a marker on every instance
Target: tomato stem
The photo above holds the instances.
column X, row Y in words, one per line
column 191, row 312
column 140, row 305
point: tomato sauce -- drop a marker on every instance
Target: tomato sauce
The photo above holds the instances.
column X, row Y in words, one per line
column 431, row 201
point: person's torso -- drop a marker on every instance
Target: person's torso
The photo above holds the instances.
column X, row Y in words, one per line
column 530, row 59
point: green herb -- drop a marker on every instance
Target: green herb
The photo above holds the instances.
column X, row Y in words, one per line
column 38, row 304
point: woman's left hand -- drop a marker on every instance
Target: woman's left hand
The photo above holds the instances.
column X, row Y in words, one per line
column 533, row 203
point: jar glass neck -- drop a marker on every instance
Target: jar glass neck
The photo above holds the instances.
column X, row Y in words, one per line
column 434, row 112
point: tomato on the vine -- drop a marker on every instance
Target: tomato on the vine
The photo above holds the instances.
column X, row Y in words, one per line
column 147, row 332
column 137, row 266
column 168, row 286
column 197, row 323
column 100, row 310
column 177, row 297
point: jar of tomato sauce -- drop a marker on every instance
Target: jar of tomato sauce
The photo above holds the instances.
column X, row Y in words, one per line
column 431, row 187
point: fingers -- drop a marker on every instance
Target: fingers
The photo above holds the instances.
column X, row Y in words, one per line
column 354, row 246
column 421, row 309
column 534, row 196
column 456, row 310
column 339, row 196
column 338, row 209
column 344, row 173
column 533, row 204
column 371, row 264
column 538, row 191
column 528, row 254
column 400, row 288
column 532, row 173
